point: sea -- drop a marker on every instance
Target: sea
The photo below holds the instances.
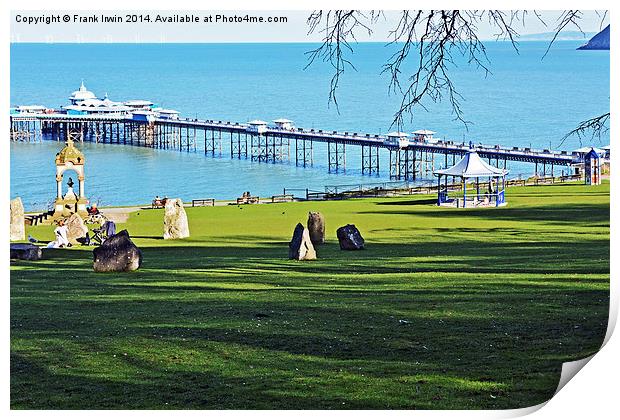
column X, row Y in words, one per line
column 526, row 98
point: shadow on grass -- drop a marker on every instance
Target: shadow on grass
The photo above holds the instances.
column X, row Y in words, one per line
column 516, row 256
column 453, row 321
column 573, row 214
column 304, row 351
column 420, row 202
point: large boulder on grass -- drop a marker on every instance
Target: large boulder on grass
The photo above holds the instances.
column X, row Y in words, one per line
column 316, row 227
column 76, row 228
column 26, row 252
column 117, row 253
column 300, row 247
column 18, row 229
column 350, row 238
column 175, row 220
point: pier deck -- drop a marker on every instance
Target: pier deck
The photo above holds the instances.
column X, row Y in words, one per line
column 271, row 144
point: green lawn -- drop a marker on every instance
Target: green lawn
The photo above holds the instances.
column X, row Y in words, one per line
column 446, row 308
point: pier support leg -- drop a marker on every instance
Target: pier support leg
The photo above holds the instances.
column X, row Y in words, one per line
column 395, row 163
column 336, row 156
column 303, row 152
column 258, row 145
column 370, row 159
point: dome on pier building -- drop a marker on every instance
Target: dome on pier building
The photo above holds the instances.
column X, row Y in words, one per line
column 70, row 154
column 81, row 94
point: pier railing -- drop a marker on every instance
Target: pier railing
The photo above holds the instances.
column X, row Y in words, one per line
column 408, row 160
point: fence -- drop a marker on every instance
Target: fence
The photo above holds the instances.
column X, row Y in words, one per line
column 339, row 192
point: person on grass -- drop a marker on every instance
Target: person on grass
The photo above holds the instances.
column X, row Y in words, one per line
column 62, row 233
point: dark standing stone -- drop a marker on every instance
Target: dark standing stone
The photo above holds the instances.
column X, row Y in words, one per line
column 26, row 252
column 117, row 253
column 300, row 247
column 316, row 226
column 350, row 238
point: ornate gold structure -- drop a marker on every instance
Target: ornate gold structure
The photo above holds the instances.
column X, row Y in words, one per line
column 70, row 158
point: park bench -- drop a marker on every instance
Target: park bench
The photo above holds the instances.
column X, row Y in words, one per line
column 516, row 182
column 316, row 196
column 203, row 202
column 282, row 198
column 545, row 180
column 248, row 200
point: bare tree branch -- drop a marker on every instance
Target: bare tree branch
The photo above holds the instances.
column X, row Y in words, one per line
column 568, row 17
column 339, row 29
column 429, row 41
column 591, row 128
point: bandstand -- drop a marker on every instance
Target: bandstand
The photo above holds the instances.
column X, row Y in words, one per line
column 472, row 167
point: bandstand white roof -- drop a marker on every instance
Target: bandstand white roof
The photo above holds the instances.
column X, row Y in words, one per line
column 472, row 166
column 282, row 121
column 257, row 122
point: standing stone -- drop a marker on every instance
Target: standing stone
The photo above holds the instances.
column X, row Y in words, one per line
column 350, row 238
column 18, row 229
column 175, row 220
column 117, row 253
column 316, row 226
column 26, row 252
column 76, row 228
column 300, row 247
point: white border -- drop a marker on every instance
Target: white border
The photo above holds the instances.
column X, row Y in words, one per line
column 593, row 394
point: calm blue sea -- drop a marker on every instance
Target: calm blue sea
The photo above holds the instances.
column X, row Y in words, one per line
column 524, row 101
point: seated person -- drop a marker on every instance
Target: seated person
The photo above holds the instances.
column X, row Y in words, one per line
column 159, row 202
column 92, row 210
column 61, row 233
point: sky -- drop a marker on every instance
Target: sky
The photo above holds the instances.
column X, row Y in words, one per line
column 31, row 26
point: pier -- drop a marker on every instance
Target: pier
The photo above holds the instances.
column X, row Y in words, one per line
column 278, row 143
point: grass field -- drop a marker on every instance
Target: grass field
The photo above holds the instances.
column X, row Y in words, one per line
column 446, row 308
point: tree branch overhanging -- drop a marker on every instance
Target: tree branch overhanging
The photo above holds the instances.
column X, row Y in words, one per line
column 438, row 38
column 592, row 128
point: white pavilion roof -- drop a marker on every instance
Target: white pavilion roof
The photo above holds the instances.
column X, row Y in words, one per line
column 31, row 107
column 282, row 121
column 397, row 134
column 472, row 166
column 82, row 93
column 98, row 108
column 138, row 102
column 257, row 122
column 586, row 149
column 424, row 132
